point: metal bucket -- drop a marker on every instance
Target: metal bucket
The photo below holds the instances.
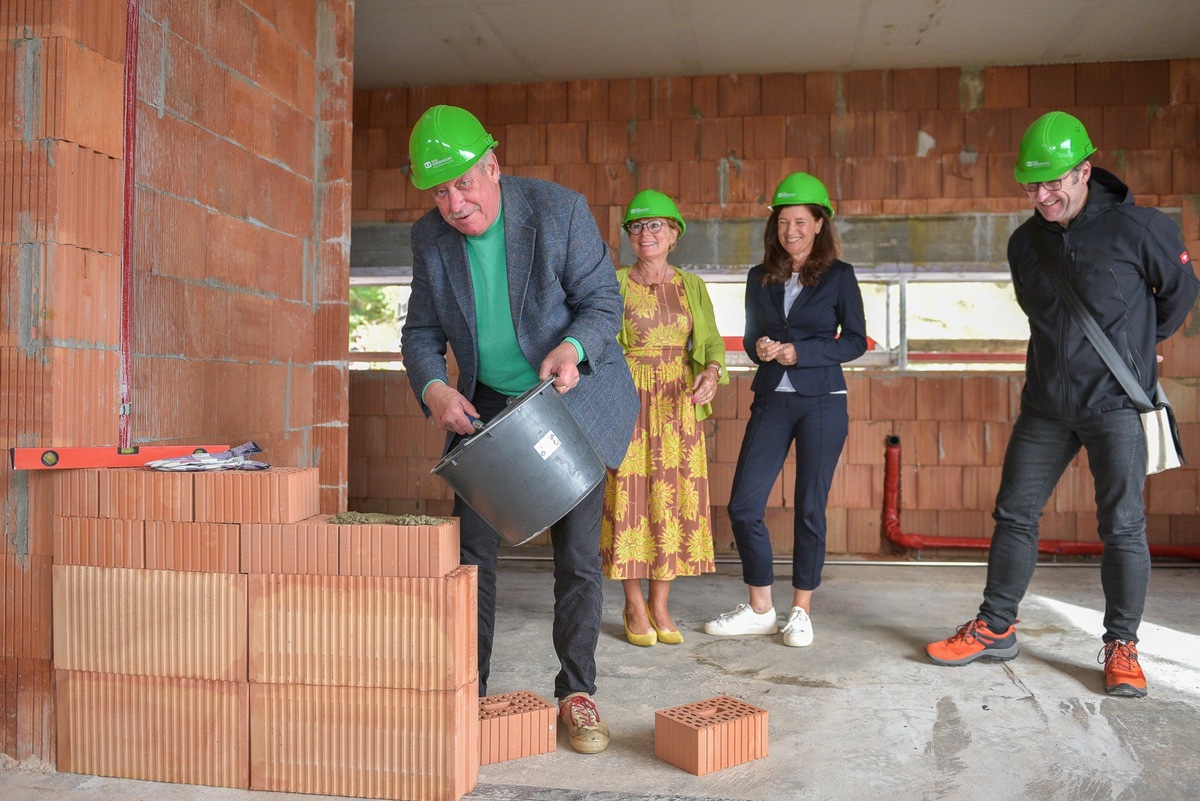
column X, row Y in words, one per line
column 528, row 467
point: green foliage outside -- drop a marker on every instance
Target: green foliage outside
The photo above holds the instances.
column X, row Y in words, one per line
column 376, row 314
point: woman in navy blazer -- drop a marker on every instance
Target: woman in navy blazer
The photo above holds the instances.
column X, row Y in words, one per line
column 804, row 320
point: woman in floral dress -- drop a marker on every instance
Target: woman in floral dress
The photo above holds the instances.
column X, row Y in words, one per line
column 656, row 523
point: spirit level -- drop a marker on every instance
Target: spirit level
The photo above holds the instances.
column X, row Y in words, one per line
column 110, row 456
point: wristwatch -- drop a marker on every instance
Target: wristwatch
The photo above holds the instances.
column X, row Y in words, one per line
column 717, row 365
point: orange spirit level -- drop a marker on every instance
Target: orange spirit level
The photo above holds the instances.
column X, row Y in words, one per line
column 110, row 456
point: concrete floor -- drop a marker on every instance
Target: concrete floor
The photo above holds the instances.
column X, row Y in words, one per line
column 860, row 714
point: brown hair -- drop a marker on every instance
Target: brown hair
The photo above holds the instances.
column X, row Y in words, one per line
column 826, row 249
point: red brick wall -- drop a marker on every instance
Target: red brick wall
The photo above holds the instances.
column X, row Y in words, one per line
column 719, row 144
column 953, row 430
column 242, row 214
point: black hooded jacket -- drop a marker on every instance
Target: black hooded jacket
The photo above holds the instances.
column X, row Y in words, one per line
column 1131, row 269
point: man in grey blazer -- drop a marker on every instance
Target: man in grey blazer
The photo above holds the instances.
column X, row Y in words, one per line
column 512, row 274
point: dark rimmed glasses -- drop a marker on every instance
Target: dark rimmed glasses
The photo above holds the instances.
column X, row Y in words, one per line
column 653, row 226
column 1052, row 186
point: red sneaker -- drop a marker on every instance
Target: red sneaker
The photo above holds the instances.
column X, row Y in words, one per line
column 1123, row 674
column 974, row 640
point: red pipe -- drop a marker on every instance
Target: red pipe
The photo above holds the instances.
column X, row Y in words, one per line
column 891, row 524
column 133, row 16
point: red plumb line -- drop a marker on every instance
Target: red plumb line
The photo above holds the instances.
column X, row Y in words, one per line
column 133, row 15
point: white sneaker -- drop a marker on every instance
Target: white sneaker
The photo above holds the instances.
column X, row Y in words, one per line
column 798, row 631
column 743, row 620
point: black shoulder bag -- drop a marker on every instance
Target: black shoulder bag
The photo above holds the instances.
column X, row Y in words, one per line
column 1163, row 448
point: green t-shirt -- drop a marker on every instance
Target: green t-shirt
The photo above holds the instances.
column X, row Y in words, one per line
column 502, row 365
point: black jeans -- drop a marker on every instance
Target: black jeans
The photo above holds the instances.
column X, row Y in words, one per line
column 578, row 582
column 1038, row 453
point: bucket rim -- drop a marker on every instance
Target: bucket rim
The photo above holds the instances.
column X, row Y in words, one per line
column 491, row 425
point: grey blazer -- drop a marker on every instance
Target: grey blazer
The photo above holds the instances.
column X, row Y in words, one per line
column 561, row 283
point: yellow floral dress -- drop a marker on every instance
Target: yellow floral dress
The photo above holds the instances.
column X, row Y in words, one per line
column 656, row 521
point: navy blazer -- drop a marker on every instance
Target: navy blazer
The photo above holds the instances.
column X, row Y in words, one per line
column 561, row 283
column 826, row 325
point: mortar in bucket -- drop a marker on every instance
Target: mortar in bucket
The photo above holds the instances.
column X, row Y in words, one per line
column 529, row 466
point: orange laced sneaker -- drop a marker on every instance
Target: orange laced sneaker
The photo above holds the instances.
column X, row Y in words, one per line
column 1123, row 674
column 585, row 731
column 974, row 640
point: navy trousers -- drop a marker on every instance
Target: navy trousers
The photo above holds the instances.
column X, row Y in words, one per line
column 818, row 426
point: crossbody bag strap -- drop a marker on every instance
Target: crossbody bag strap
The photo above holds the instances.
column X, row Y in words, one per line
column 1091, row 328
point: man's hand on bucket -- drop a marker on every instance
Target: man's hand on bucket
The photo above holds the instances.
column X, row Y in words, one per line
column 562, row 364
column 449, row 409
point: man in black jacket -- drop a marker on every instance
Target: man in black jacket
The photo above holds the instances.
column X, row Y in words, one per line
column 1133, row 273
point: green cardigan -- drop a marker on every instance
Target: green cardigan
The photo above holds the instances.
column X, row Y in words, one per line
column 706, row 344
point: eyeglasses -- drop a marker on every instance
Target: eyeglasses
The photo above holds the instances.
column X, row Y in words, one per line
column 653, row 226
column 1052, row 186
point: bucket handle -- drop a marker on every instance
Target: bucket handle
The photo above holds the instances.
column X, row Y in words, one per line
column 479, row 425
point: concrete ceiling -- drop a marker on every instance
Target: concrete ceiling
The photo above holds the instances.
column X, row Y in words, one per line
column 445, row 42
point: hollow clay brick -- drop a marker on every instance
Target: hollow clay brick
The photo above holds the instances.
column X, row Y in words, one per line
column 515, row 725
column 364, row 631
column 365, row 741
column 705, row 96
column 862, row 530
column 25, row 619
column 1098, row 84
column 1006, row 87
column 277, row 495
column 566, row 143
column 961, row 442
column 587, row 100
column 308, row 547
column 914, row 89
column 710, row 735
column 507, row 104
column 547, row 101
column 196, row 547
column 739, row 95
column 153, row 728
column 99, row 541
column 1051, row 85
column 939, row 487
column 150, row 622
column 782, row 93
column 28, row 728
column 141, row 494
column 77, row 276
column 394, row 550
column 629, row 99
column 867, row 90
column 671, row 98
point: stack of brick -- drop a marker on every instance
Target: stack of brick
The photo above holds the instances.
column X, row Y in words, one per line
column 211, row 628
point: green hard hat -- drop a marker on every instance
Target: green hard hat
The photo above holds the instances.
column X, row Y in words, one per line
column 649, row 203
column 445, row 143
column 1051, row 147
column 801, row 189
